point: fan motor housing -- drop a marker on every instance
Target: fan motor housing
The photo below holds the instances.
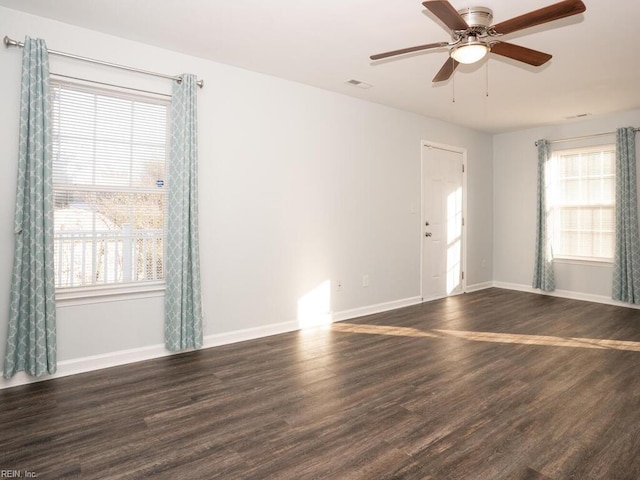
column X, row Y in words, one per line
column 477, row 16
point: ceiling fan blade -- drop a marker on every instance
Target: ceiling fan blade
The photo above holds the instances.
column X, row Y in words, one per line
column 543, row 15
column 408, row 50
column 521, row 54
column 447, row 70
column 445, row 12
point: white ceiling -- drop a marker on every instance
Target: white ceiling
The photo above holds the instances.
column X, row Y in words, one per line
column 595, row 68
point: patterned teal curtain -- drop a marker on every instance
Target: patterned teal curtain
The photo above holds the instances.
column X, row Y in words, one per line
column 31, row 336
column 626, row 263
column 183, row 310
column 543, row 277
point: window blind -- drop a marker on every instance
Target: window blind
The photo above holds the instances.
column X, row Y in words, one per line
column 109, row 158
column 583, row 203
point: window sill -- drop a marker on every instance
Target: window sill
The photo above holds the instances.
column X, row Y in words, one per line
column 584, row 261
column 69, row 297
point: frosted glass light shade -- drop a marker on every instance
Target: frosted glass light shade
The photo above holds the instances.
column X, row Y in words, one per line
column 469, row 52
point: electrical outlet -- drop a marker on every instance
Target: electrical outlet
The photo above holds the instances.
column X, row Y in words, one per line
column 365, row 281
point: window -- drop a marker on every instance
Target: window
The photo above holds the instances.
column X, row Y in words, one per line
column 582, row 201
column 109, row 156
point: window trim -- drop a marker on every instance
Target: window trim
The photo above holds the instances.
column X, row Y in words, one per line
column 575, row 259
column 72, row 296
column 590, row 261
column 91, row 294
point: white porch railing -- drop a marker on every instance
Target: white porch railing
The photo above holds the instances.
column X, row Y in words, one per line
column 84, row 258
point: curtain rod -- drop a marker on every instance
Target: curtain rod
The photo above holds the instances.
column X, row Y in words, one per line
column 585, row 137
column 8, row 42
column 139, row 90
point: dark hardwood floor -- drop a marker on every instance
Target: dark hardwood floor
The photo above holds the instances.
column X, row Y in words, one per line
column 489, row 385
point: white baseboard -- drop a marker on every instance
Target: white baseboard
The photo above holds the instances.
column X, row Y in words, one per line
column 479, row 286
column 122, row 357
column 475, row 287
column 245, row 334
column 587, row 297
column 371, row 309
column 88, row 364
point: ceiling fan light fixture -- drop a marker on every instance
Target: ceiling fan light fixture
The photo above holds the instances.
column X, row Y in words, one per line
column 470, row 51
column 473, row 34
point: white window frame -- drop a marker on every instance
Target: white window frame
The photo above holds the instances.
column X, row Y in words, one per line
column 89, row 294
column 554, row 206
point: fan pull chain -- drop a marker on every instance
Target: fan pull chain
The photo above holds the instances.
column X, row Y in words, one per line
column 453, row 88
column 487, row 67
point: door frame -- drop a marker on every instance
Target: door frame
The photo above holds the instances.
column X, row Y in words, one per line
column 424, row 146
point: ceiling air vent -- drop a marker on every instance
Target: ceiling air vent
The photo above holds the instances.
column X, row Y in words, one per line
column 359, row 84
column 580, row 115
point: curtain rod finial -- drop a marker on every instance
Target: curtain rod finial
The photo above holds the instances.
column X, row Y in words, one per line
column 199, row 83
column 8, row 42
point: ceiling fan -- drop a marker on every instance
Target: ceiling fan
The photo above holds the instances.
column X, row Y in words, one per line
column 473, row 36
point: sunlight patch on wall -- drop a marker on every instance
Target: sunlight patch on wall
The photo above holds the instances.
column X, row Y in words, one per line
column 314, row 308
column 454, row 239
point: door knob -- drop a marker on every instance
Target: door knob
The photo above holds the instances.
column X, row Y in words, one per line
column 428, row 234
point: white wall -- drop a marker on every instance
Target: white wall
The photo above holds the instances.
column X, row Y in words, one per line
column 297, row 186
column 514, row 179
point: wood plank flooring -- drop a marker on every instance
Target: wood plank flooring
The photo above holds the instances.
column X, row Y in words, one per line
column 488, row 385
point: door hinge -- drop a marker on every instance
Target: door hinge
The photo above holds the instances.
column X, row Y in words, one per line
column 462, row 273
column 463, row 168
column 463, row 221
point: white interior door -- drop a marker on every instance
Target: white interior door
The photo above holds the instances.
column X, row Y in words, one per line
column 442, row 221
